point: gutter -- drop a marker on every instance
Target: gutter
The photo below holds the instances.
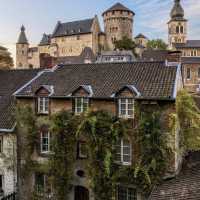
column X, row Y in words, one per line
column 8, row 130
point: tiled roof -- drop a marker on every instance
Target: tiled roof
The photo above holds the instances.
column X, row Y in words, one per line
column 186, row 186
column 73, row 28
column 46, row 40
column 188, row 44
column 153, row 80
column 118, row 7
column 190, row 60
column 10, row 81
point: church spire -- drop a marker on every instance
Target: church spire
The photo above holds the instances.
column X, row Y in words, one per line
column 177, row 11
column 22, row 37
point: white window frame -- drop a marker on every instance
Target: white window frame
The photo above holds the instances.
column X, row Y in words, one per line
column 122, row 154
column 43, row 103
column 126, row 115
column 127, row 192
column 41, row 142
column 81, row 155
column 80, row 109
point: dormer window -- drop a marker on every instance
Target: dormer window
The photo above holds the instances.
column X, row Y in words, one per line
column 81, row 105
column 126, row 107
column 43, row 105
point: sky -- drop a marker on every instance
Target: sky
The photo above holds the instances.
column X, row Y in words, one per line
column 41, row 16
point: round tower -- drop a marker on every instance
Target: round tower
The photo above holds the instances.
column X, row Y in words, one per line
column 22, row 48
column 118, row 22
column 177, row 26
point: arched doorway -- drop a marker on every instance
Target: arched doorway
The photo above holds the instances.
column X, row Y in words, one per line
column 81, row 193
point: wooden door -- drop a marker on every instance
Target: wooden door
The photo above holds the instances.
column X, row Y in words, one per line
column 81, row 193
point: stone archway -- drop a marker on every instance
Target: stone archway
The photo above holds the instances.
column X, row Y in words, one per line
column 81, row 193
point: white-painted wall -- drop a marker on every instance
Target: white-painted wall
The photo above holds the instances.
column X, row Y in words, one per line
column 8, row 166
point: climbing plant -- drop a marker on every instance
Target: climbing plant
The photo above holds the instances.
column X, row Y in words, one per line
column 188, row 115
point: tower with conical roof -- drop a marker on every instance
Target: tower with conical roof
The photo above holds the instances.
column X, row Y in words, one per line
column 22, row 48
column 118, row 22
column 177, row 26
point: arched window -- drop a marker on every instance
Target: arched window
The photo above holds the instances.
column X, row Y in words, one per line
column 177, row 29
column 181, row 28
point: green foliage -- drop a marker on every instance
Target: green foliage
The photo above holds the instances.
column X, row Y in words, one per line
column 6, row 61
column 189, row 119
column 64, row 152
column 157, row 44
column 125, row 44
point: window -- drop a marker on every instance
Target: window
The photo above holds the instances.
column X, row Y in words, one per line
column 1, row 185
column 125, row 193
column 78, row 37
column 126, row 108
column 194, row 53
column 81, row 104
column 82, row 149
column 181, row 29
column 42, row 184
column 1, row 144
column 123, row 152
column 43, row 105
column 199, row 72
column 45, row 142
column 188, row 73
column 177, row 29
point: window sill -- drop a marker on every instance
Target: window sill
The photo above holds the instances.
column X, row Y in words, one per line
column 123, row 163
column 126, row 117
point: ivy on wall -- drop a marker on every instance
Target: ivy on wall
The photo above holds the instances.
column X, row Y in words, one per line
column 101, row 132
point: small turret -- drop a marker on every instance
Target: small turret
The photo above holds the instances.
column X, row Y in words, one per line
column 22, row 48
column 177, row 26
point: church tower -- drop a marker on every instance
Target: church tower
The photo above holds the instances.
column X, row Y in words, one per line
column 118, row 22
column 22, row 47
column 177, row 26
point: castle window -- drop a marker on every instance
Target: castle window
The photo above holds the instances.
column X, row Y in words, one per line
column 199, row 72
column 177, row 29
column 125, row 193
column 1, row 184
column 193, row 53
column 188, row 75
column 123, row 152
column 45, row 142
column 181, row 28
column 81, row 105
column 43, row 105
column 113, row 12
column 126, row 108
column 78, row 37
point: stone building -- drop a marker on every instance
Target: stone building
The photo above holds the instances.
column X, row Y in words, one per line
column 71, row 38
column 150, row 84
column 10, row 81
column 178, row 40
column 141, row 44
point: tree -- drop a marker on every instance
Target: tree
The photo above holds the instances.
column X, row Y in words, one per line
column 125, row 44
column 157, row 44
column 6, row 61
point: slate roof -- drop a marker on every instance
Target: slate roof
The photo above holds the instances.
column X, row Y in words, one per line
column 140, row 35
column 186, row 186
column 177, row 11
column 118, row 7
column 22, row 37
column 153, row 80
column 10, row 81
column 188, row 44
column 154, row 55
column 46, row 40
column 190, row 60
column 87, row 53
column 73, row 28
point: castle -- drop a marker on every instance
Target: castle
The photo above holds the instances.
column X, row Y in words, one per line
column 70, row 39
column 73, row 39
